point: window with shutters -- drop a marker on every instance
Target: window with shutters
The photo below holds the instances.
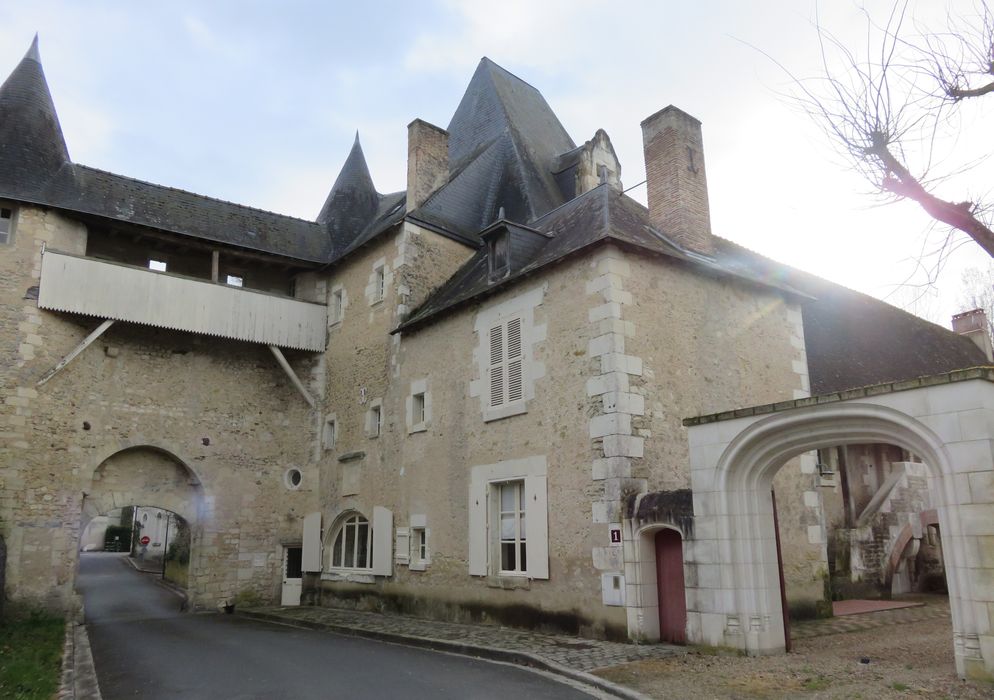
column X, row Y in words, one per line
column 6, row 224
column 506, row 369
column 353, row 544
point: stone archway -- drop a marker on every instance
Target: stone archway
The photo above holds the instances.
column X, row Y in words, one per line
column 948, row 421
column 147, row 475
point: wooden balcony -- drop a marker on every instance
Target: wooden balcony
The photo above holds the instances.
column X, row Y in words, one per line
column 121, row 292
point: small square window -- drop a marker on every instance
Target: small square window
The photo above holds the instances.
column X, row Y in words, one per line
column 234, row 281
column 6, row 224
column 157, row 265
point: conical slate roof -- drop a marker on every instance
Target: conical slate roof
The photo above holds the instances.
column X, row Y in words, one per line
column 32, row 148
column 504, row 140
column 352, row 202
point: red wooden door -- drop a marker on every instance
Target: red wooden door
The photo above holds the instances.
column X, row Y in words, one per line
column 669, row 581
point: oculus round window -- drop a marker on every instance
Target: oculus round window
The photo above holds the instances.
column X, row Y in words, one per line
column 292, row 478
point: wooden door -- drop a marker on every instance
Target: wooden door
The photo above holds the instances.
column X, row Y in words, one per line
column 669, row 581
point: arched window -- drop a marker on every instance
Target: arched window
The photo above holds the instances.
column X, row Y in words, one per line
column 353, row 544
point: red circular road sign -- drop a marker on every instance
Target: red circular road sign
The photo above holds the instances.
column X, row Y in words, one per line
column 145, row 539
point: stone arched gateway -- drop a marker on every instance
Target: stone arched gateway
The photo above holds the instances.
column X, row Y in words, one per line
column 149, row 475
column 947, row 420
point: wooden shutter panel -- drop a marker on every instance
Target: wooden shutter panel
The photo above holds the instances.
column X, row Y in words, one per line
column 311, row 555
column 497, row 366
column 382, row 541
column 402, row 546
column 477, row 528
column 537, row 523
column 515, row 363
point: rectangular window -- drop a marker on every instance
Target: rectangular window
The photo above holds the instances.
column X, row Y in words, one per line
column 419, row 545
column 157, row 265
column 379, row 284
column 506, row 363
column 497, row 252
column 418, row 409
column 337, row 305
column 511, row 527
column 234, row 281
column 6, row 225
column 330, row 433
column 375, row 419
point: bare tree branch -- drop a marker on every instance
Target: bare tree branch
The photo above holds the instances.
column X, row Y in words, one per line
column 894, row 99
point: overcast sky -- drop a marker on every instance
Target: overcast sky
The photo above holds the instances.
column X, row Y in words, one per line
column 258, row 103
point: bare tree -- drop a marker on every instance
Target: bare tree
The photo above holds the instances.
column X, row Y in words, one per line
column 887, row 105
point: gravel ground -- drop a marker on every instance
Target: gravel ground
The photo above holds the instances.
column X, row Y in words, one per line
column 907, row 660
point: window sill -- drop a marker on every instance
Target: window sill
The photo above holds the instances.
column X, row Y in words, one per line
column 419, row 428
column 509, row 581
column 376, row 302
column 349, row 576
column 417, row 566
column 507, row 411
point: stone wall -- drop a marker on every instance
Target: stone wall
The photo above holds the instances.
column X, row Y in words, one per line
column 622, row 347
column 222, row 409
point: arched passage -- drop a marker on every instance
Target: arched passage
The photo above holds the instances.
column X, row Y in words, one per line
column 151, row 477
column 732, row 467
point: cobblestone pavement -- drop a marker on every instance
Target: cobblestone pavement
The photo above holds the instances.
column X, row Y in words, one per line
column 573, row 653
column 934, row 609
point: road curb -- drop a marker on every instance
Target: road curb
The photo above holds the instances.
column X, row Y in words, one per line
column 168, row 585
column 519, row 658
column 79, row 675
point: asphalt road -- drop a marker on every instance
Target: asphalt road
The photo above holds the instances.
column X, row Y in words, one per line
column 144, row 647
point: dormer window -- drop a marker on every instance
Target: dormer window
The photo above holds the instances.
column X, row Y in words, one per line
column 498, row 254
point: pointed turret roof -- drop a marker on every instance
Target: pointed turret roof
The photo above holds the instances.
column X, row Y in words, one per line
column 352, row 202
column 32, row 148
column 506, row 123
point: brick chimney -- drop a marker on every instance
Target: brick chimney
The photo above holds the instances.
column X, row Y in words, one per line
column 973, row 324
column 675, row 178
column 427, row 161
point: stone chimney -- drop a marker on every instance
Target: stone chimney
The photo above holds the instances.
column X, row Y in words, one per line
column 973, row 324
column 675, row 178
column 427, row 161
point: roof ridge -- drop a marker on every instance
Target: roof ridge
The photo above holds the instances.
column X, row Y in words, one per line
column 195, row 194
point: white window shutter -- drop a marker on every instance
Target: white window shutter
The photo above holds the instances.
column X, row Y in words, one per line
column 402, row 546
column 478, row 528
column 382, row 541
column 311, row 554
column 537, row 526
column 497, row 366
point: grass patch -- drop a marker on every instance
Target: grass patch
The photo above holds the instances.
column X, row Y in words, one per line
column 901, row 687
column 816, row 683
column 177, row 573
column 30, row 655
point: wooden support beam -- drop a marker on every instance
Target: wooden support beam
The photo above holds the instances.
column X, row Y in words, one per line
column 87, row 341
column 215, row 264
column 278, row 354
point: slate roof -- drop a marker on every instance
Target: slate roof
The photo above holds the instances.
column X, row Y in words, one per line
column 32, row 148
column 597, row 216
column 854, row 340
column 504, row 141
column 505, row 144
column 35, row 167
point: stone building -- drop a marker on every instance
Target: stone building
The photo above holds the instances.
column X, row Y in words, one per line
column 463, row 400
